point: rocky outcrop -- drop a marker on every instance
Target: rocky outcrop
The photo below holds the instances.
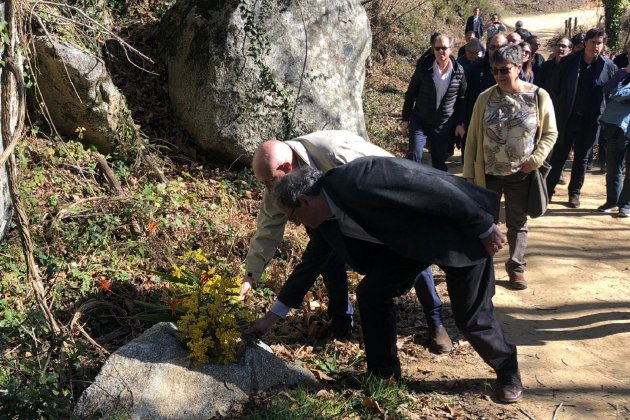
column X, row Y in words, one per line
column 241, row 72
column 78, row 92
column 151, row 378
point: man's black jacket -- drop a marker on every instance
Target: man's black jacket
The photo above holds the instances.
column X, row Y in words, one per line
column 470, row 26
column 566, row 82
column 419, row 212
column 421, row 95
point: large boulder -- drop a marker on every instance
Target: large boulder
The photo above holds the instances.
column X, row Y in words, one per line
column 151, row 378
column 78, row 92
column 238, row 75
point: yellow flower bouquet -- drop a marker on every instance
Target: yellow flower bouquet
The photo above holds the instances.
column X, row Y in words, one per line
column 212, row 318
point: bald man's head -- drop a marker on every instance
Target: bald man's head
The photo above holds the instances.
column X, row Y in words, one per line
column 514, row 38
column 272, row 160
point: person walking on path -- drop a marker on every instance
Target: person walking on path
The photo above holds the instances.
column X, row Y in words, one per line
column 546, row 76
column 580, row 97
column 512, row 130
column 536, row 58
column 474, row 23
column 616, row 130
column 469, row 37
column 494, row 27
column 434, row 108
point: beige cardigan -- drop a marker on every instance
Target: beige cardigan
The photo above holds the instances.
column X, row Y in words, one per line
column 474, row 164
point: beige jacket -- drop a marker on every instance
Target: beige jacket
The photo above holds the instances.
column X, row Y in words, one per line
column 323, row 150
column 474, row 165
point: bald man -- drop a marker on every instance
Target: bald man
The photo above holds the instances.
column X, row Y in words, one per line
column 514, row 38
column 322, row 150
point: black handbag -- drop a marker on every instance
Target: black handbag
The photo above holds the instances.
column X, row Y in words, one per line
column 538, row 198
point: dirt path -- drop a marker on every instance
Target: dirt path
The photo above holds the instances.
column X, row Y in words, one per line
column 572, row 325
column 548, row 25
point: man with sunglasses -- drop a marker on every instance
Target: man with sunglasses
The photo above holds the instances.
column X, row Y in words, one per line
column 578, row 89
column 536, row 58
column 546, row 74
column 323, row 150
column 434, row 107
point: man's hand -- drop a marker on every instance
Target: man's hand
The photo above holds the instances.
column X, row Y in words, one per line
column 494, row 242
column 525, row 168
column 264, row 324
column 246, row 287
column 460, row 131
column 404, row 128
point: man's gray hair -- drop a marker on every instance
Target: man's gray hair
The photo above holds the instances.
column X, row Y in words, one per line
column 303, row 180
column 512, row 54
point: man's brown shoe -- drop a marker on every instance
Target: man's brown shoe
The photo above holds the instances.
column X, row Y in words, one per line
column 518, row 282
column 439, row 341
column 509, row 387
column 574, row 201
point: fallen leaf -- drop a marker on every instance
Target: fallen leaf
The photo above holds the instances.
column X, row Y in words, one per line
column 372, row 404
column 323, row 393
column 152, row 228
column 320, row 375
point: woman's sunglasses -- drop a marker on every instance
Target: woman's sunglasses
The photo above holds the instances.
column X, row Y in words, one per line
column 502, row 70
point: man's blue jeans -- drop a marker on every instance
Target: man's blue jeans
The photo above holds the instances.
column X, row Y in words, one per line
column 437, row 137
column 428, row 297
column 417, row 140
column 617, row 155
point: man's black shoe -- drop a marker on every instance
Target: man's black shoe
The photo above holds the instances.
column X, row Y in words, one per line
column 439, row 341
column 509, row 387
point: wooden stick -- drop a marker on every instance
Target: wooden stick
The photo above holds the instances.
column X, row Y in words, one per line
column 555, row 412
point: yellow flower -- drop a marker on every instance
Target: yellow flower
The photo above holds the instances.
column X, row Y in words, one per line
column 178, row 271
column 211, row 323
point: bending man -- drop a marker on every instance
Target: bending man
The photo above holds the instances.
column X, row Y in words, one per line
column 390, row 218
column 322, row 150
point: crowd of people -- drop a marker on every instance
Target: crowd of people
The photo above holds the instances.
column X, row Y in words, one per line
column 390, row 219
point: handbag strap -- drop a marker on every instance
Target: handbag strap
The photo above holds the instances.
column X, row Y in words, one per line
column 537, row 117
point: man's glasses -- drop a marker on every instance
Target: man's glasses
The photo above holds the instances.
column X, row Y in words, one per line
column 502, row 70
column 441, row 48
column 492, row 47
column 563, row 46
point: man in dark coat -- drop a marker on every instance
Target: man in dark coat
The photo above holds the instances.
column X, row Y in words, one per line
column 579, row 94
column 474, row 23
column 536, row 58
column 546, row 76
column 390, row 218
column 621, row 60
column 434, row 108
